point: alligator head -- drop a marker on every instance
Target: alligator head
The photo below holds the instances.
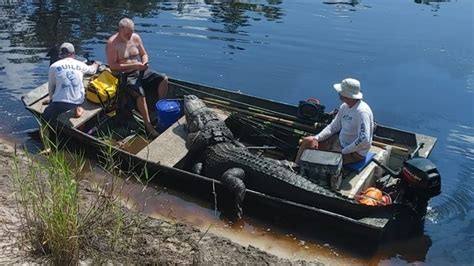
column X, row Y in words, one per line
column 203, row 125
column 194, row 108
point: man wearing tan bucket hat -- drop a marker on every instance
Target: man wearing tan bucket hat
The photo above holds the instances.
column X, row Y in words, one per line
column 351, row 130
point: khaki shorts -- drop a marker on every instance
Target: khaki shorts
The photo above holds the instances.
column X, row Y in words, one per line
column 333, row 144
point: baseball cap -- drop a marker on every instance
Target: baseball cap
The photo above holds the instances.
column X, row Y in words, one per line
column 66, row 49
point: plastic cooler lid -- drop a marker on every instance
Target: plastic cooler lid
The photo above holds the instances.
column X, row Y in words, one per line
column 167, row 105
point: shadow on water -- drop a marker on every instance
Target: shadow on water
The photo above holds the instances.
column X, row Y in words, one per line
column 427, row 2
column 342, row 2
column 435, row 4
column 409, row 250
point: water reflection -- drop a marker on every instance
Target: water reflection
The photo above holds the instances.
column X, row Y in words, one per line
column 48, row 23
column 427, row 2
column 232, row 14
column 342, row 2
column 30, row 28
column 52, row 22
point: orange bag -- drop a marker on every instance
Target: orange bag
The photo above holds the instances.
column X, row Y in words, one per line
column 374, row 197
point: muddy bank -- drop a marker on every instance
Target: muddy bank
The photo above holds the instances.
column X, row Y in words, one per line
column 155, row 241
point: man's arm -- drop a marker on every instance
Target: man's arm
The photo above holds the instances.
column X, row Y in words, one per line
column 86, row 69
column 363, row 138
column 331, row 129
column 142, row 50
column 51, row 82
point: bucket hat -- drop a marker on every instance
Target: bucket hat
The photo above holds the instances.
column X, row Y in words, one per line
column 349, row 88
column 66, row 49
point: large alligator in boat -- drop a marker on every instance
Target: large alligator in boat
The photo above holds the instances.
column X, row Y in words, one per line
column 224, row 158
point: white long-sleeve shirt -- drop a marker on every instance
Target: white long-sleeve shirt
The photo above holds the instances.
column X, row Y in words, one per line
column 355, row 127
column 65, row 80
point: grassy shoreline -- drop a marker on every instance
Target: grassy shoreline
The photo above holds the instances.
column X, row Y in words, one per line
column 149, row 241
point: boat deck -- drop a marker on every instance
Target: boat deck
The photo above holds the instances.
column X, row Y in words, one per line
column 170, row 146
column 66, row 118
column 428, row 146
column 90, row 110
column 36, row 102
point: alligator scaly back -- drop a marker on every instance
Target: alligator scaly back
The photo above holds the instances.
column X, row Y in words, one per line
column 227, row 160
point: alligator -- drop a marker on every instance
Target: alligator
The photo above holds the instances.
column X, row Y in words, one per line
column 222, row 157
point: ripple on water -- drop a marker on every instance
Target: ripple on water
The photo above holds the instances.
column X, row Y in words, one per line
column 457, row 198
column 470, row 81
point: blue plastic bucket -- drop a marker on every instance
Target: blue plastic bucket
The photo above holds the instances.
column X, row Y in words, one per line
column 167, row 112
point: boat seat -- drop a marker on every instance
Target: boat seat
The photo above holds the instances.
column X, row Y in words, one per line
column 170, row 146
column 354, row 182
column 90, row 110
column 358, row 166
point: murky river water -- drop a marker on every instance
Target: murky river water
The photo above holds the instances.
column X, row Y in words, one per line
column 414, row 58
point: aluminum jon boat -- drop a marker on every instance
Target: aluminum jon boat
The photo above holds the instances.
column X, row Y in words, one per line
column 268, row 129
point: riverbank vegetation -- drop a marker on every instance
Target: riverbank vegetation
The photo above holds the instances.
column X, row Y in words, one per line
column 53, row 214
column 53, row 220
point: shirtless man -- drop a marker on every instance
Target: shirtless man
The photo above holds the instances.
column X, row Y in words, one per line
column 126, row 53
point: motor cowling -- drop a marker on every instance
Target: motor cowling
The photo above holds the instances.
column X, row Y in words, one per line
column 422, row 176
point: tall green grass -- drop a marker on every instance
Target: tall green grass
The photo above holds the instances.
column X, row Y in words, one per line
column 55, row 220
column 47, row 200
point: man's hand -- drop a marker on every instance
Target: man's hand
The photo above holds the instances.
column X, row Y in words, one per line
column 310, row 142
column 142, row 66
column 96, row 66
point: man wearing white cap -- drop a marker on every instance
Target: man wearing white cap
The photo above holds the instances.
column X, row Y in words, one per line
column 65, row 86
column 351, row 130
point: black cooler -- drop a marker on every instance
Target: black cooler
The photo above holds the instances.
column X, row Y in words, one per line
column 322, row 167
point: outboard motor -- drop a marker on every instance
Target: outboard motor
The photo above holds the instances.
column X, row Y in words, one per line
column 421, row 177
